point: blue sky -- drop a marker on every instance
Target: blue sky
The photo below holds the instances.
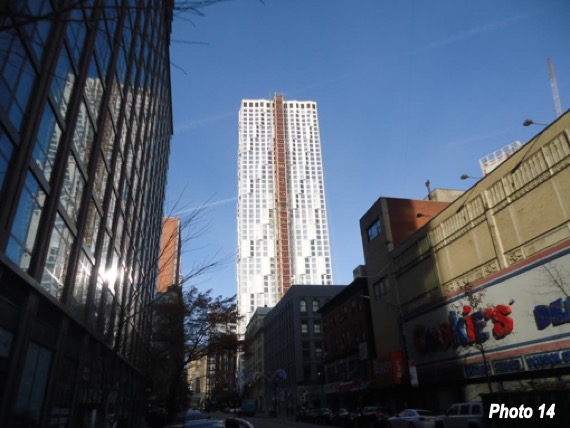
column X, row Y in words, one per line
column 407, row 91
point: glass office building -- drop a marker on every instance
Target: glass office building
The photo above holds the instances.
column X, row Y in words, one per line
column 85, row 128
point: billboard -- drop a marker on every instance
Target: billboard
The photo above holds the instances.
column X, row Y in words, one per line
column 520, row 319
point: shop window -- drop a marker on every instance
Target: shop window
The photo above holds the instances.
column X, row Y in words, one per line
column 33, row 382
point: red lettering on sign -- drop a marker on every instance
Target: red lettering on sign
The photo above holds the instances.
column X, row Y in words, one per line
column 502, row 323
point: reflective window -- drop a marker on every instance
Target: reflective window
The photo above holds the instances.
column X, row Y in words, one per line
column 76, row 32
column 30, row 398
column 101, row 176
column 92, row 226
column 25, row 227
column 111, row 209
column 94, row 89
column 121, row 67
column 102, row 47
column 81, row 288
column 97, row 301
column 115, row 101
column 108, row 140
column 83, row 136
column 129, row 162
column 315, row 305
column 117, row 173
column 56, row 266
column 62, row 83
column 381, row 288
column 374, row 230
column 37, row 31
column 72, row 189
column 6, row 149
column 303, row 306
column 317, row 327
column 120, row 223
column 47, row 142
column 17, row 76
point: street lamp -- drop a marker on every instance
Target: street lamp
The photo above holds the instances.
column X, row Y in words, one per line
column 466, row 176
column 528, row 122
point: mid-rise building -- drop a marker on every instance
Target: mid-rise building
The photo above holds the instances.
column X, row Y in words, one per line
column 476, row 297
column 283, row 234
column 197, row 380
column 169, row 377
column 293, row 349
column 253, row 378
column 221, row 366
column 169, row 270
column 85, row 129
column 348, row 347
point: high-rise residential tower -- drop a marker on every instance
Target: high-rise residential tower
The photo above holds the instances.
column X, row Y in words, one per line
column 85, row 129
column 283, row 234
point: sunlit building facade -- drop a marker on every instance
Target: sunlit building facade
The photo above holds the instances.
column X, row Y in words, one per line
column 283, row 234
column 85, row 128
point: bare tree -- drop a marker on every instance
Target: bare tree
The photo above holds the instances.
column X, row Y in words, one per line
column 23, row 14
column 189, row 325
column 469, row 330
column 555, row 277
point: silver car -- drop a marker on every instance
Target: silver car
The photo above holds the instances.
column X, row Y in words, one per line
column 412, row 418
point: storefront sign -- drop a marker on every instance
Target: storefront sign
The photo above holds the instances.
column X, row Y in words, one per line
column 508, row 366
column 557, row 313
column 449, row 330
column 547, row 359
column 397, row 359
column 476, row 370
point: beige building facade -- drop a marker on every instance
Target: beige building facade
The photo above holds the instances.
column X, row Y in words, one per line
column 481, row 289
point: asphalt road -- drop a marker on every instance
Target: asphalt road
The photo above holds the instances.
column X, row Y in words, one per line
column 264, row 421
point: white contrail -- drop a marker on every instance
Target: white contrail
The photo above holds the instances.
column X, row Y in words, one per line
column 198, row 123
column 471, row 33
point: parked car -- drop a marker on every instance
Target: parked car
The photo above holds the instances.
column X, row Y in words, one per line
column 371, row 416
column 462, row 415
column 341, row 417
column 324, row 416
column 306, row 415
column 301, row 414
column 412, row 418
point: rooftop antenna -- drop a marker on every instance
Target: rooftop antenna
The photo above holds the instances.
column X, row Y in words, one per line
column 554, row 87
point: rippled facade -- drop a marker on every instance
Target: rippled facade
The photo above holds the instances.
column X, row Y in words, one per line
column 283, row 236
column 85, row 129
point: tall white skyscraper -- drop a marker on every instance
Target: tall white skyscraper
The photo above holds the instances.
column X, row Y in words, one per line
column 283, row 236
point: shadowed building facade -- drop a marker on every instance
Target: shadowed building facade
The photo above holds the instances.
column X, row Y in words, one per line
column 85, row 128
